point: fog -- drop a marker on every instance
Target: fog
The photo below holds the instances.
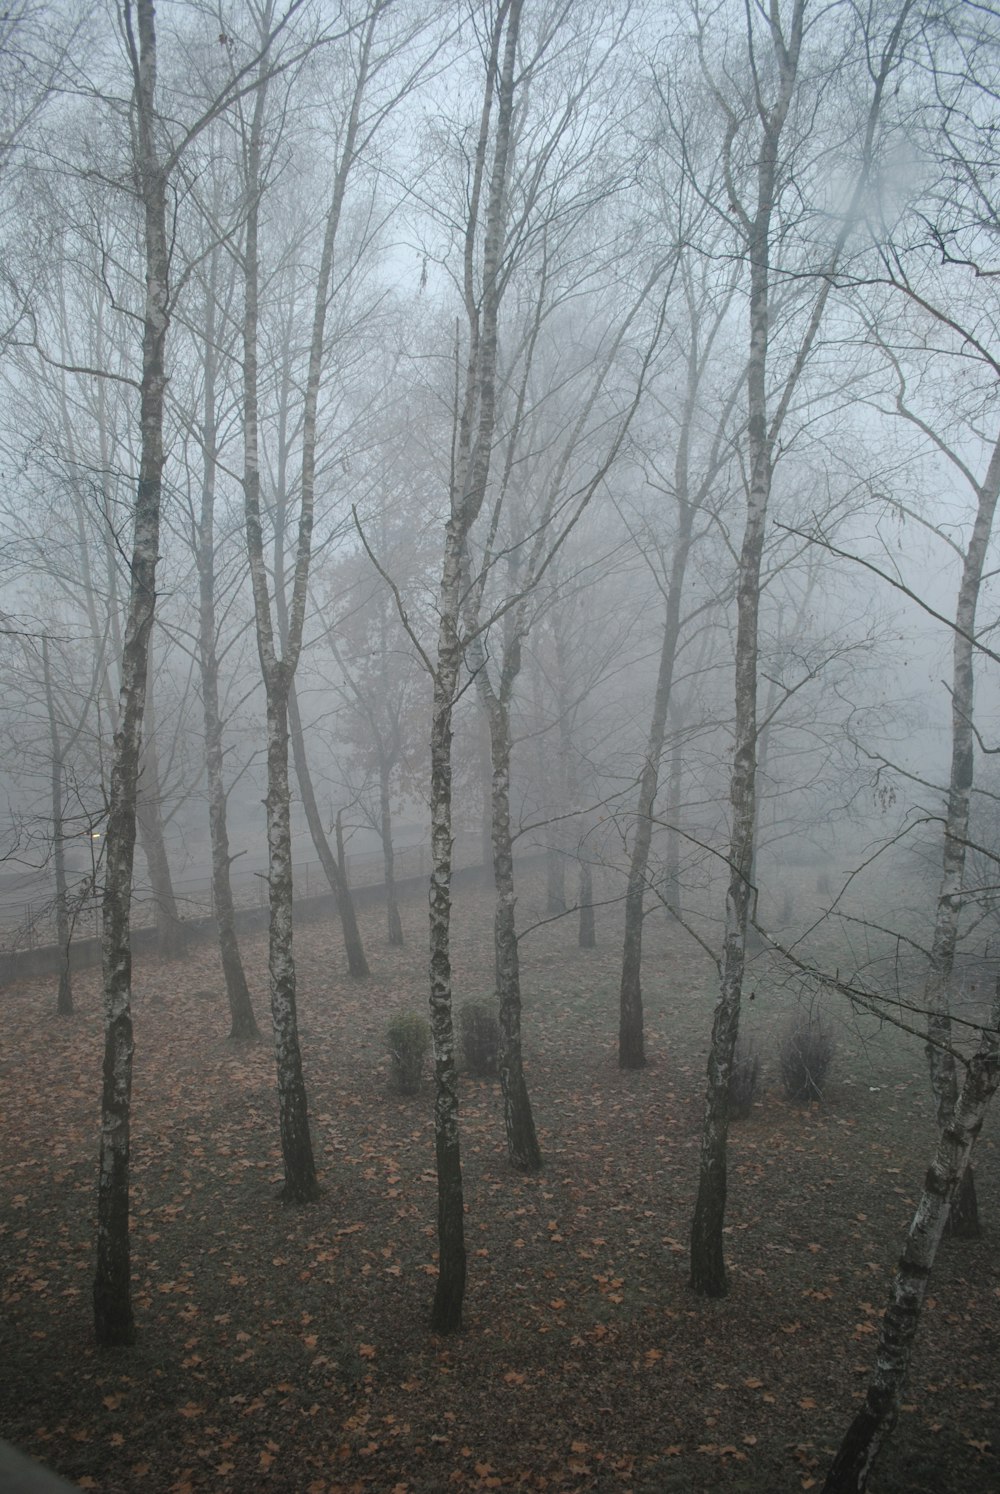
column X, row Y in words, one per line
column 551, row 448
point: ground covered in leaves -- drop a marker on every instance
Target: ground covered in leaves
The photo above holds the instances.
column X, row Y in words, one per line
column 287, row 1349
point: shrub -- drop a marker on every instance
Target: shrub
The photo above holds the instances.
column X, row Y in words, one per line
column 805, row 1058
column 744, row 1079
column 479, row 1031
column 408, row 1038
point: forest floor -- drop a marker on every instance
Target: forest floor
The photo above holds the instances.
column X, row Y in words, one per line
column 287, row 1349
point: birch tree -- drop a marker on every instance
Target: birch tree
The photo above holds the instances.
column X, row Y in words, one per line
column 154, row 160
column 959, row 202
column 761, row 101
column 112, row 1293
column 874, row 1421
column 278, row 671
column 929, row 307
column 485, row 235
column 377, row 75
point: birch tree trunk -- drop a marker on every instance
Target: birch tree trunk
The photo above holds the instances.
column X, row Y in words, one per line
column 467, row 497
column 874, row 1422
column 964, row 1217
column 449, row 1294
column 113, row 1320
column 708, row 1271
column 300, row 1184
column 708, row 1274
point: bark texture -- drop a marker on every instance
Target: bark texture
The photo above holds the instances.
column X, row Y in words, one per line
column 708, row 1272
column 113, row 1319
column 874, row 1422
column 964, row 1219
column 300, row 1184
column 475, row 441
column 169, row 929
column 764, row 427
column 290, row 619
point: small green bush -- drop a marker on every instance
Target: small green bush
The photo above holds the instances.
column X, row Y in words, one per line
column 805, row 1058
column 744, row 1078
column 479, row 1032
column 408, row 1038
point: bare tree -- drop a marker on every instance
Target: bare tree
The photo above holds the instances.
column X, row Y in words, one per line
column 771, row 84
column 877, row 1416
column 204, row 541
column 694, row 487
column 155, row 158
column 470, row 475
column 112, row 1295
column 278, row 673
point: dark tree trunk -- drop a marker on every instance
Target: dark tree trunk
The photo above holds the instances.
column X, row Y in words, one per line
column 523, row 1150
column 243, row 1023
column 631, row 1037
column 354, row 948
column 555, row 878
column 64, row 999
column 672, row 857
column 963, row 1216
column 290, row 623
column 587, row 935
column 169, row 929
